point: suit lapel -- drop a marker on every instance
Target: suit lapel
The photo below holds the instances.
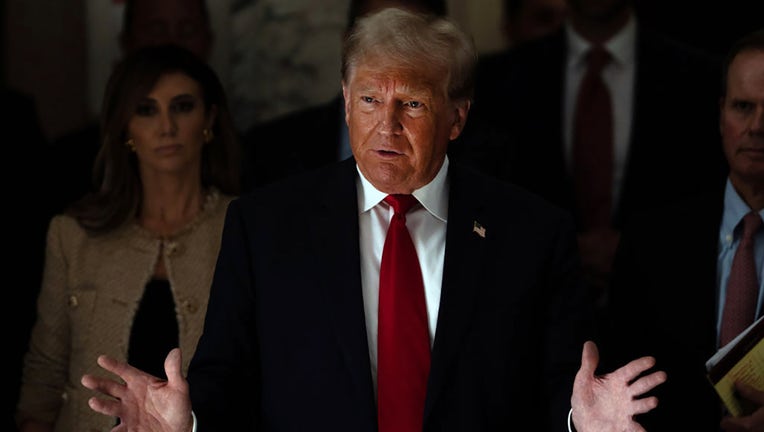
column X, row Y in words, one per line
column 462, row 266
column 336, row 240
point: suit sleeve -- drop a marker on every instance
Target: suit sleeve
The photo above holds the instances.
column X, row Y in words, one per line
column 224, row 375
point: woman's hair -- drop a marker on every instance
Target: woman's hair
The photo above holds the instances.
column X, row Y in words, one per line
column 424, row 41
column 115, row 172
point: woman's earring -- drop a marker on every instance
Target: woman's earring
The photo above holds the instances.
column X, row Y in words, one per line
column 208, row 135
column 130, row 144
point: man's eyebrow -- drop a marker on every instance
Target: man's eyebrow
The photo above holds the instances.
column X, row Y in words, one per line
column 417, row 92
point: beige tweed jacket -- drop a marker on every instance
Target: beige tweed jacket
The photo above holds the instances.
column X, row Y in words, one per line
column 90, row 293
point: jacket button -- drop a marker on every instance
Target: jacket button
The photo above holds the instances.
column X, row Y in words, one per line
column 73, row 301
column 192, row 307
column 174, row 248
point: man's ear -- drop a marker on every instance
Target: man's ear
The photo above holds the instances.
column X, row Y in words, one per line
column 346, row 99
column 461, row 109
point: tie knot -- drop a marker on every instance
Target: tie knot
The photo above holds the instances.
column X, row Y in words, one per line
column 751, row 224
column 597, row 58
column 401, row 203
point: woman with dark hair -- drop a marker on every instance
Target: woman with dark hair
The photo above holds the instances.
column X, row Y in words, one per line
column 128, row 268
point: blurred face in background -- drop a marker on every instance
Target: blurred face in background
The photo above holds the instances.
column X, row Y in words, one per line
column 599, row 10
column 533, row 19
column 742, row 121
column 158, row 22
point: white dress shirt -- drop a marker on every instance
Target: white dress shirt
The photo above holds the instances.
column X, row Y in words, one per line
column 735, row 208
column 427, row 226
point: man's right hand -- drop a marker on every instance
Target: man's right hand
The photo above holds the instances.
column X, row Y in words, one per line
column 143, row 402
column 603, row 403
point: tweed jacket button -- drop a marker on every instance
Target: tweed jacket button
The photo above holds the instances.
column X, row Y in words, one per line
column 191, row 307
column 174, row 248
column 73, row 301
column 65, row 397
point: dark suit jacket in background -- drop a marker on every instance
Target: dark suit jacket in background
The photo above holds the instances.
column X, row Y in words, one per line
column 663, row 303
column 23, row 165
column 674, row 144
column 70, row 161
column 285, row 347
column 293, row 143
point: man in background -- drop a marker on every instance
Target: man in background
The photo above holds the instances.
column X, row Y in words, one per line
column 654, row 107
column 676, row 264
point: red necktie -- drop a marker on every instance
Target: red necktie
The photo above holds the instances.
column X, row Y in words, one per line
column 593, row 144
column 742, row 287
column 404, row 339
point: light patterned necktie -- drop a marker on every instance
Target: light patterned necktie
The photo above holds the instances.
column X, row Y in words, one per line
column 742, row 286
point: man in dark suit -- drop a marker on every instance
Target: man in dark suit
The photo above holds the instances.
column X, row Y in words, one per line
column 295, row 312
column 663, row 110
column 674, row 265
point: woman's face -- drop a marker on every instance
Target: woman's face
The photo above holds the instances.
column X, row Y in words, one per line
column 167, row 126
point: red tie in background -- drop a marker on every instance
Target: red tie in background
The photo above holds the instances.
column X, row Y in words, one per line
column 404, row 339
column 742, row 287
column 593, row 144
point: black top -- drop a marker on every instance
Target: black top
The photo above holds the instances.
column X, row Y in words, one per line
column 155, row 329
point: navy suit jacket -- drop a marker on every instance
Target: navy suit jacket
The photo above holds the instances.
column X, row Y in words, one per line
column 663, row 304
column 674, row 146
column 285, row 346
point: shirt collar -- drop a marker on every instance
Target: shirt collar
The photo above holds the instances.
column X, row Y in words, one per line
column 433, row 196
column 621, row 46
column 734, row 211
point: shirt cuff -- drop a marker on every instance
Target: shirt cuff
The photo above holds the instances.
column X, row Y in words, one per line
column 570, row 422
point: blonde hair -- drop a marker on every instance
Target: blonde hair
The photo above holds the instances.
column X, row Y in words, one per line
column 414, row 40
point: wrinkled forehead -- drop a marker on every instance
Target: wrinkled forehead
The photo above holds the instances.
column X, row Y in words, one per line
column 747, row 70
column 410, row 75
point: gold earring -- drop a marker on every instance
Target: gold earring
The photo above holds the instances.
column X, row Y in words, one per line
column 130, row 144
column 208, row 135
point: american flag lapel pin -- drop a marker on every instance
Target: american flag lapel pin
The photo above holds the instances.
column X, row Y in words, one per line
column 479, row 229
